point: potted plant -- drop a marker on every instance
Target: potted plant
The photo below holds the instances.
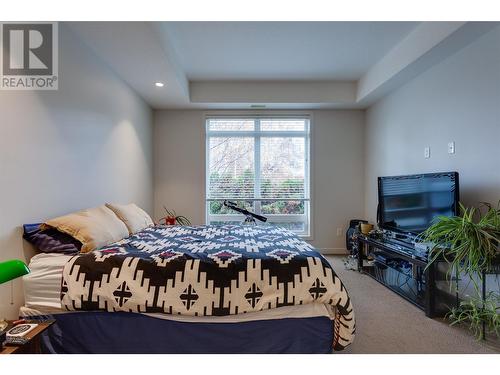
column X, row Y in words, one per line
column 171, row 218
column 470, row 244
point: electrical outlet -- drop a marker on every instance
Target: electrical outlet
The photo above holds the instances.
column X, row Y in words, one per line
column 427, row 152
column 339, row 232
column 451, row 147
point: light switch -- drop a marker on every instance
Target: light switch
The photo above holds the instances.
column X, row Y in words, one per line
column 427, row 152
column 451, row 147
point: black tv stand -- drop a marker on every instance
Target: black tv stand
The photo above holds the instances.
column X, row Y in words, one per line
column 394, row 264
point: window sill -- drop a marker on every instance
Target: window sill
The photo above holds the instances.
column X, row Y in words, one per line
column 306, row 237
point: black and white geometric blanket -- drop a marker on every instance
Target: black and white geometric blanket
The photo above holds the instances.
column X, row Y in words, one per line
column 207, row 271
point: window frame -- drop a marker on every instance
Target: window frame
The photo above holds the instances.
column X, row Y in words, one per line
column 257, row 134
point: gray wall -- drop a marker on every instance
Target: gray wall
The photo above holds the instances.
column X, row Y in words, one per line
column 336, row 169
column 456, row 100
column 85, row 144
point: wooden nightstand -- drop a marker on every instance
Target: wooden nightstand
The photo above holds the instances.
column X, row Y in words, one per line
column 33, row 346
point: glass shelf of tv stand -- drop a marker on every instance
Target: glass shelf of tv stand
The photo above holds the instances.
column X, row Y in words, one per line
column 408, row 281
column 399, row 279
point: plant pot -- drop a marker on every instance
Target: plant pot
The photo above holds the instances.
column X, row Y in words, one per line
column 170, row 221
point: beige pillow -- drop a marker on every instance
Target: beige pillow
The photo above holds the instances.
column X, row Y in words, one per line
column 93, row 227
column 134, row 217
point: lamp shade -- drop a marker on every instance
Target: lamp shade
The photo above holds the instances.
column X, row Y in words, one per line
column 12, row 269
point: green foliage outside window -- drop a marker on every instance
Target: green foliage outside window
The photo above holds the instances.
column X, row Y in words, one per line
column 226, row 186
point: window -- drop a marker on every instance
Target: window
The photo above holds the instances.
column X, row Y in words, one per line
column 263, row 165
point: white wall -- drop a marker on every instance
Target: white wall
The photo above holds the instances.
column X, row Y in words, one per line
column 337, row 169
column 456, row 100
column 85, row 144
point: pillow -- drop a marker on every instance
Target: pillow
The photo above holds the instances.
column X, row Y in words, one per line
column 93, row 227
column 134, row 217
column 50, row 240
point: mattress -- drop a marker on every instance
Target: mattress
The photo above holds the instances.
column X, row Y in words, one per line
column 42, row 293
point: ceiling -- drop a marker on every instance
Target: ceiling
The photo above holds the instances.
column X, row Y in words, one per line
column 221, row 65
column 282, row 50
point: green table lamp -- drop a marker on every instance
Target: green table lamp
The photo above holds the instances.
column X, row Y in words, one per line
column 10, row 270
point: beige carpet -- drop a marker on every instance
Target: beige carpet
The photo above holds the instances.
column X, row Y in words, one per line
column 386, row 323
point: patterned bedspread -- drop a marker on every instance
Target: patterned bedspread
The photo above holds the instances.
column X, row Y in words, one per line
column 207, row 271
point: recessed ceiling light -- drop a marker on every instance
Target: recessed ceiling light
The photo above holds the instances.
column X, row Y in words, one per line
column 159, row 84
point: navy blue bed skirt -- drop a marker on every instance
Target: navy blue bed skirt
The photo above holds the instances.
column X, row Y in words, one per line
column 104, row 333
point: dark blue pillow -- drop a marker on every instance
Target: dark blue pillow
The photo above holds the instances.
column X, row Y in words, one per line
column 50, row 240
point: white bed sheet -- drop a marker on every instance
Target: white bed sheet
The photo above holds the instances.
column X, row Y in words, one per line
column 42, row 288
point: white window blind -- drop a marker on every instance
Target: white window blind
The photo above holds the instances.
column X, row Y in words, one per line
column 263, row 165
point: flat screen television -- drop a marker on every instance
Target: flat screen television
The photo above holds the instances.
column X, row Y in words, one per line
column 409, row 203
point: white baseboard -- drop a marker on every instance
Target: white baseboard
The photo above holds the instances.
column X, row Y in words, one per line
column 333, row 251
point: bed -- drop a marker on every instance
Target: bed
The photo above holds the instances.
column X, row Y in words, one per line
column 192, row 289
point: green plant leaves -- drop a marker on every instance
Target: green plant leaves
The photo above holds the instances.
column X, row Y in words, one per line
column 470, row 244
column 179, row 219
column 475, row 311
column 182, row 220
